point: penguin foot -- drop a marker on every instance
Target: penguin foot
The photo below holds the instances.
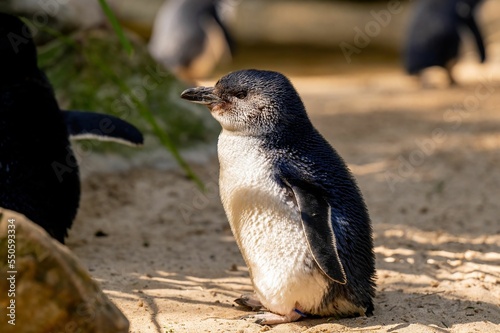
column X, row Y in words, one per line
column 269, row 318
column 249, row 300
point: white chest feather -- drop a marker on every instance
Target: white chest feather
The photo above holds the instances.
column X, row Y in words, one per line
column 267, row 228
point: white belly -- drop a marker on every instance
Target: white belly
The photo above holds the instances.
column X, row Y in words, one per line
column 267, row 228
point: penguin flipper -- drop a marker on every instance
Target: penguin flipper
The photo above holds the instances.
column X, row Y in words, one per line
column 316, row 221
column 96, row 126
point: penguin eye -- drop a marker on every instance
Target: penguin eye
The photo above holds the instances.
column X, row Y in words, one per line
column 241, row 94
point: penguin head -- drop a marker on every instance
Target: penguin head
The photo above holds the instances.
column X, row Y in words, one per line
column 17, row 50
column 252, row 102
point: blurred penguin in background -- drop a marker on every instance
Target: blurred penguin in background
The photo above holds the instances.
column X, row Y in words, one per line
column 434, row 35
column 190, row 39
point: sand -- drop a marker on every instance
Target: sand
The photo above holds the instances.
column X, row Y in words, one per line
column 427, row 162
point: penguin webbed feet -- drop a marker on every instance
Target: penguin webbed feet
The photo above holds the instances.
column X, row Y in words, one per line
column 269, row 318
column 250, row 301
column 265, row 317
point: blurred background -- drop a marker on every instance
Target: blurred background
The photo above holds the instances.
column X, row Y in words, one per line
column 271, row 33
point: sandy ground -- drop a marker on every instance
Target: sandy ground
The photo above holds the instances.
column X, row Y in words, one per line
column 427, row 162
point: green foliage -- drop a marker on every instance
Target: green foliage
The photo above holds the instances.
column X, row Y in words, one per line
column 90, row 71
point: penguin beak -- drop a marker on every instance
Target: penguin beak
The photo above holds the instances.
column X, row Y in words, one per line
column 201, row 95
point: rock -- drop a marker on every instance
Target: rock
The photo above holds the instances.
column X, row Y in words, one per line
column 47, row 288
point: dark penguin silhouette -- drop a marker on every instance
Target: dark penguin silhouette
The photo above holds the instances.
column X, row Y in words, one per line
column 294, row 208
column 38, row 171
column 189, row 38
column 433, row 37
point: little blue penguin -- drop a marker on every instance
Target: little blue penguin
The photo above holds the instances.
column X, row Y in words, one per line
column 189, row 38
column 433, row 36
column 294, row 208
column 38, row 170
